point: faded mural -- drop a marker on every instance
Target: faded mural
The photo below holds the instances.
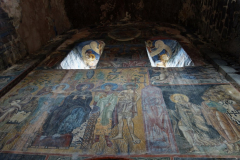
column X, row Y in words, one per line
column 122, row 108
column 204, row 118
column 84, row 56
column 98, row 112
column 124, row 56
column 185, row 76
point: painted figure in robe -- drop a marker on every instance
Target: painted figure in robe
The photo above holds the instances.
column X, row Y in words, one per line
column 71, row 114
column 221, row 116
column 192, row 123
column 160, row 50
column 48, row 98
column 106, row 101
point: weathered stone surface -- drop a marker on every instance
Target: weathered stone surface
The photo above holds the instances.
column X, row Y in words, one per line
column 234, row 77
column 28, row 25
column 226, row 70
column 222, row 15
column 36, row 22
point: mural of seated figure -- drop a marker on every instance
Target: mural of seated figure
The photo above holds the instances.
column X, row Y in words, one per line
column 84, row 55
column 167, row 53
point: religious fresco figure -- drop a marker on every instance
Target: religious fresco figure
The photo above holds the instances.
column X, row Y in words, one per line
column 80, row 114
column 16, row 110
column 127, row 109
column 167, row 53
column 46, row 100
column 158, row 128
column 84, row 56
column 192, row 123
column 158, row 48
column 61, row 120
column 224, row 118
column 71, row 114
column 161, row 77
column 17, row 102
column 49, row 99
column 106, row 101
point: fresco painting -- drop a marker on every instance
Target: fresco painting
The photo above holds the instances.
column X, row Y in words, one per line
column 184, row 76
column 206, row 158
column 45, row 117
column 159, row 134
column 204, row 118
column 122, row 158
column 7, row 76
column 66, row 158
column 167, row 53
column 53, row 60
column 124, row 56
column 123, row 52
column 17, row 69
column 150, row 158
column 6, row 156
column 117, row 112
column 119, row 64
column 118, row 105
column 124, row 33
column 84, row 55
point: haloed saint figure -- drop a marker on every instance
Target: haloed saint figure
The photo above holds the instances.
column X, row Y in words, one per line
column 72, row 113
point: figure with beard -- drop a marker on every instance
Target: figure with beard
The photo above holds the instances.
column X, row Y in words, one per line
column 218, row 116
column 127, row 109
column 192, row 123
column 72, row 113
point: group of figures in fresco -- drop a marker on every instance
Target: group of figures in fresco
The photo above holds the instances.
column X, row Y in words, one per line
column 214, row 122
column 84, row 116
column 61, row 120
column 175, row 113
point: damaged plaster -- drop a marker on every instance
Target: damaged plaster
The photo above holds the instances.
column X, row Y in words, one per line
column 35, row 23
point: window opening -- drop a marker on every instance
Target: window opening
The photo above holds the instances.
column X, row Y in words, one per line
column 85, row 55
column 160, row 53
column 167, row 53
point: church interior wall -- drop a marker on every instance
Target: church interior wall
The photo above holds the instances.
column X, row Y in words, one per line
column 123, row 108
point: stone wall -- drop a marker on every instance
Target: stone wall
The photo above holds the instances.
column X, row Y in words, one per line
column 11, row 48
column 33, row 24
column 216, row 20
